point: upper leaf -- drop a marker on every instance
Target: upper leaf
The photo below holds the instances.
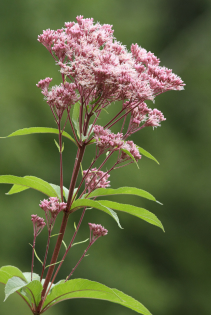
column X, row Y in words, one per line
column 29, row 182
column 136, row 211
column 82, row 288
column 121, row 191
column 32, row 130
column 147, row 154
column 79, row 203
column 12, row 271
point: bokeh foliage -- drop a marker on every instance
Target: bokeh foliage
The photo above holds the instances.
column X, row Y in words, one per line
column 169, row 273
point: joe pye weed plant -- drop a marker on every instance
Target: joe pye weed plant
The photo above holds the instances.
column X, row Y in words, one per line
column 96, row 72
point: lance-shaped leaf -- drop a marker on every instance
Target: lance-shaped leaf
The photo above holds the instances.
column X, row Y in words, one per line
column 130, row 155
column 75, row 117
column 136, row 211
column 79, row 203
column 33, row 130
column 29, row 182
column 147, row 154
column 82, row 288
column 121, row 191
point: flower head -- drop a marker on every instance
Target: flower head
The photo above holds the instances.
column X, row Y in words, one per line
column 38, row 224
column 96, row 230
column 52, row 208
column 95, row 179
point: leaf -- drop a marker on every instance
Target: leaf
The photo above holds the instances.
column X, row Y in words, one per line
column 80, row 242
column 27, row 275
column 34, row 289
column 36, row 255
column 136, row 211
column 121, row 191
column 13, row 271
column 29, row 182
column 75, row 117
column 33, row 130
column 82, row 288
column 130, row 155
column 13, row 285
column 147, row 154
column 79, row 203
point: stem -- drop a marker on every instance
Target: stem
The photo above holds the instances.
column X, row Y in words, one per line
column 46, row 254
column 67, row 250
column 32, row 266
column 86, row 250
column 53, row 259
column 61, row 168
column 76, row 169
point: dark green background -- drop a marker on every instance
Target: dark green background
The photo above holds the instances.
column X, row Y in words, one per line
column 169, row 273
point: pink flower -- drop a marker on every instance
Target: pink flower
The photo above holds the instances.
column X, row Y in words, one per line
column 95, row 179
column 97, row 230
column 154, row 118
column 106, row 140
column 52, row 208
column 131, row 147
column 38, row 224
column 97, row 62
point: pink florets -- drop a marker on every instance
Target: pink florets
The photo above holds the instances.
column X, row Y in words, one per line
column 106, row 140
column 97, row 230
column 131, row 147
column 38, row 224
column 52, row 207
column 154, row 118
column 62, row 96
column 43, row 85
column 97, row 62
column 96, row 179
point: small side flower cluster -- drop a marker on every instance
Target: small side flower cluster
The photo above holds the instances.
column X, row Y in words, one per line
column 95, row 179
column 52, row 207
column 38, row 224
column 132, row 148
column 106, row 140
column 96, row 230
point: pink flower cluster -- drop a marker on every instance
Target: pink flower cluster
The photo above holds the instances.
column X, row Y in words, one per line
column 132, row 148
column 97, row 230
column 90, row 56
column 59, row 97
column 154, row 118
column 52, row 207
column 106, row 140
column 38, row 224
column 95, row 179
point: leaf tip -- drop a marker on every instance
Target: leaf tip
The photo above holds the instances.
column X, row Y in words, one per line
column 160, row 203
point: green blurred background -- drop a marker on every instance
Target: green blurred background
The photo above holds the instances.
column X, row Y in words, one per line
column 169, row 273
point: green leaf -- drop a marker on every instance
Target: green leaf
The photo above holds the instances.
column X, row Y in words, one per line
column 33, row 130
column 121, row 191
column 147, row 154
column 136, row 211
column 80, row 242
column 75, row 117
column 28, row 182
column 37, row 255
column 79, row 203
column 13, row 271
column 130, row 155
column 13, row 285
column 33, row 289
column 27, row 275
column 82, row 288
